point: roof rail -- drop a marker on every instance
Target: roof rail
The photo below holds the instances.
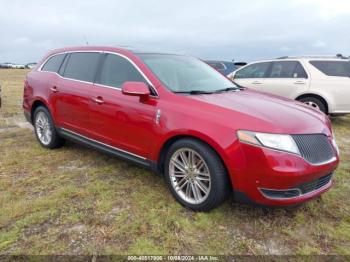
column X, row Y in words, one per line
column 340, row 56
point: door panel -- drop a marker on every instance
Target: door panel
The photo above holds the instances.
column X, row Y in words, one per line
column 286, row 78
column 254, row 83
column 122, row 121
column 71, row 104
column 72, row 91
column 286, row 87
column 253, row 75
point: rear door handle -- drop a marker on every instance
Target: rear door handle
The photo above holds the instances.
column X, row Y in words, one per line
column 300, row 83
column 98, row 100
column 256, row 83
column 54, row 89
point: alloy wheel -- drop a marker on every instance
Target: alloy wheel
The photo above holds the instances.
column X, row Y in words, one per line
column 190, row 176
column 43, row 128
column 312, row 104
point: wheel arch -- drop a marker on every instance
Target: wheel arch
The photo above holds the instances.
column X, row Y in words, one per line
column 320, row 97
column 35, row 105
column 171, row 140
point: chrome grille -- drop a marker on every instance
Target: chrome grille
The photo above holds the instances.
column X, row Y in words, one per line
column 315, row 184
column 315, row 148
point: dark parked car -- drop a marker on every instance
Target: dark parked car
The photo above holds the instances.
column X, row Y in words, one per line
column 31, row 65
column 6, row 65
column 240, row 64
column 224, row 67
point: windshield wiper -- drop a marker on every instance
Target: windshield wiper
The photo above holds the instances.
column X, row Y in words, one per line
column 193, row 92
column 231, row 88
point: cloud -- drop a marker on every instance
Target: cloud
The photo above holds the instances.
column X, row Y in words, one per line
column 319, row 44
column 222, row 29
column 327, row 9
column 285, row 48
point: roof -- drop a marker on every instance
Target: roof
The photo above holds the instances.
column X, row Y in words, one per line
column 338, row 56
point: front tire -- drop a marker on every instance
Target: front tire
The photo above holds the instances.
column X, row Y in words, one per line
column 45, row 130
column 196, row 175
column 315, row 103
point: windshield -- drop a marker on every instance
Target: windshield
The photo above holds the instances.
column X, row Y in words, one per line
column 183, row 74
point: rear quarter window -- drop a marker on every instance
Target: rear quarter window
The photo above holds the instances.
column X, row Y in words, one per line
column 282, row 69
column 53, row 64
column 333, row 68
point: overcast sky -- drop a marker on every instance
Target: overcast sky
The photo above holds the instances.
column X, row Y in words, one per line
column 211, row 29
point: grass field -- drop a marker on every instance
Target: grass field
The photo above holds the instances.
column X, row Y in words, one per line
column 76, row 200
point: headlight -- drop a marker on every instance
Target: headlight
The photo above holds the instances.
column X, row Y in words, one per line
column 335, row 145
column 275, row 141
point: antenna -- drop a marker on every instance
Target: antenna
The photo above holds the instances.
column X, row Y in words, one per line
column 85, row 39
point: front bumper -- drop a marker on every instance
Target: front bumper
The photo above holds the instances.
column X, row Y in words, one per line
column 27, row 116
column 265, row 169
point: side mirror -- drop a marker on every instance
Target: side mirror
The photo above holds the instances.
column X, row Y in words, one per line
column 136, row 89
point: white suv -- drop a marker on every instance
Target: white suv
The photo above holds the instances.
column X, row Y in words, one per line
column 321, row 82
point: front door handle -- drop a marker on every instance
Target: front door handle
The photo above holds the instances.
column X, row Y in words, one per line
column 54, row 89
column 98, row 100
column 256, row 83
column 299, row 82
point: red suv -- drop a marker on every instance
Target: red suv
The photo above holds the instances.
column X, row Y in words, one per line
column 181, row 118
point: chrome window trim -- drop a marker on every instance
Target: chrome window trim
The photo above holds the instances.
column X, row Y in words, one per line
column 101, row 52
column 65, row 52
column 106, row 145
column 137, row 68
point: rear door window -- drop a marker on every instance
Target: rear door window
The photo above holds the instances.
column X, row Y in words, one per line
column 53, row 64
column 257, row 70
column 333, row 68
column 82, row 66
column 116, row 70
column 282, row 69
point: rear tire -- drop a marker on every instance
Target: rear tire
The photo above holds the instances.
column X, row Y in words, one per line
column 196, row 175
column 45, row 129
column 315, row 103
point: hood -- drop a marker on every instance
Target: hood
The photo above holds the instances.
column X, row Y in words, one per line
column 258, row 111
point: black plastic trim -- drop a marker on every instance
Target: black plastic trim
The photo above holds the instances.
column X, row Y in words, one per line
column 28, row 117
column 242, row 198
column 108, row 150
